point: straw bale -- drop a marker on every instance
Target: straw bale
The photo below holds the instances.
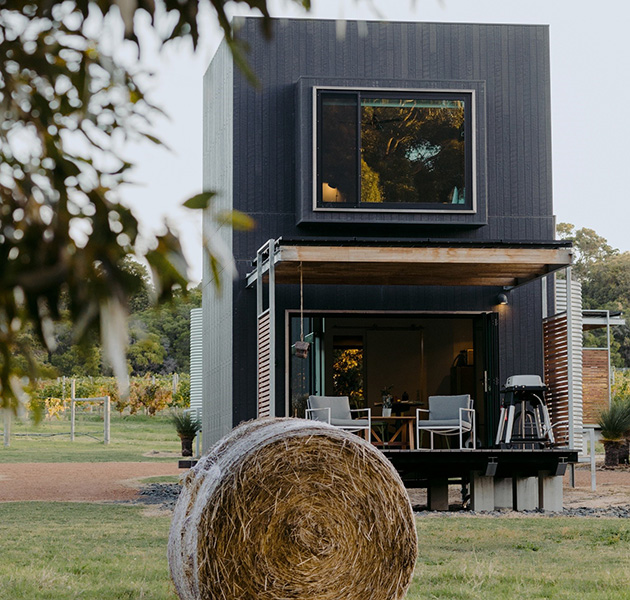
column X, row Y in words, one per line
column 292, row 509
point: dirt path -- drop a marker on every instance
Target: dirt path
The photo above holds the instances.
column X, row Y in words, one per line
column 77, row 482
column 110, row 481
column 613, row 488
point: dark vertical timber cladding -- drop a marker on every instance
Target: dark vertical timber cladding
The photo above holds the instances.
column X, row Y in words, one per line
column 513, row 63
column 520, row 333
column 244, row 351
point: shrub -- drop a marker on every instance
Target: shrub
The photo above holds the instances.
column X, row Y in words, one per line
column 185, row 424
column 181, row 397
column 150, row 393
column 615, row 421
column 615, row 425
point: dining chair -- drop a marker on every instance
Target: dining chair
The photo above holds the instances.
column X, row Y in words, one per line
column 336, row 411
column 448, row 415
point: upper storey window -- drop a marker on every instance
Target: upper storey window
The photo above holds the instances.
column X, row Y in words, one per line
column 394, row 150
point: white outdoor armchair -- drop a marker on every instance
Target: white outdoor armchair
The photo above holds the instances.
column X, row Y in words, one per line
column 448, row 415
column 336, row 411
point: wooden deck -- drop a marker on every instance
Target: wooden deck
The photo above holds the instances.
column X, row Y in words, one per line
column 418, row 467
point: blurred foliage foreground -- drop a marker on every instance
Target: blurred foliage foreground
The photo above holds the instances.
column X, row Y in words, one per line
column 71, row 103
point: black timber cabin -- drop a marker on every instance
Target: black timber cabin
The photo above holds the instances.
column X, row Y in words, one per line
column 400, row 180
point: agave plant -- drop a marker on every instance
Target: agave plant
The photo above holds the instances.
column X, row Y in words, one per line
column 615, row 425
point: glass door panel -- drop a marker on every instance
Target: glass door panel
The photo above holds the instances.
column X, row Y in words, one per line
column 306, row 372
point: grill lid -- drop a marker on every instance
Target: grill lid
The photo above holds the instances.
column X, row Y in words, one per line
column 524, row 382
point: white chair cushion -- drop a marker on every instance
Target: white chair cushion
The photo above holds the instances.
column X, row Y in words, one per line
column 350, row 422
column 439, row 423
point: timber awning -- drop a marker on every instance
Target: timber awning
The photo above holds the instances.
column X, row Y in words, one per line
column 361, row 262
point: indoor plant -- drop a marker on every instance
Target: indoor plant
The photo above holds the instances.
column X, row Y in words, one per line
column 387, row 400
column 187, row 428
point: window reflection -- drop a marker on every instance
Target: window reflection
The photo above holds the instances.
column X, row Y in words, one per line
column 412, row 151
column 393, row 150
column 338, row 148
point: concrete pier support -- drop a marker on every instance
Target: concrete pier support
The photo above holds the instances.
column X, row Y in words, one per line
column 437, row 494
column 525, row 493
column 549, row 492
column 503, row 493
column 481, row 492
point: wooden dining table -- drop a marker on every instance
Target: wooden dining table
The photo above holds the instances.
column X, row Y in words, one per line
column 393, row 432
column 400, row 407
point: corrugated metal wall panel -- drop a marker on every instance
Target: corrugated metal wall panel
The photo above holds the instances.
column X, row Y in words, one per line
column 217, row 307
column 196, row 359
column 575, row 352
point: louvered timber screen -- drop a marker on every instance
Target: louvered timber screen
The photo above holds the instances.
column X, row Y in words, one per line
column 264, row 365
column 595, row 383
column 557, row 375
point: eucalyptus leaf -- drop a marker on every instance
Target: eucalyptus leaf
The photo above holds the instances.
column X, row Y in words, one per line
column 235, row 219
column 200, row 201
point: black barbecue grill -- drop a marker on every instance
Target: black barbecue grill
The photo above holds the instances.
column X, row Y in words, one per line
column 524, row 420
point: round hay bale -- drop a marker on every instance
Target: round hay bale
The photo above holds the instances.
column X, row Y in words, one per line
column 288, row 508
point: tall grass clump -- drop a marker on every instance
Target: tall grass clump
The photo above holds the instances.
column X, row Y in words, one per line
column 615, row 428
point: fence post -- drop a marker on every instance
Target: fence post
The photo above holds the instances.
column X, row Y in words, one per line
column 106, row 419
column 592, row 457
column 72, row 408
column 7, row 427
column 199, row 433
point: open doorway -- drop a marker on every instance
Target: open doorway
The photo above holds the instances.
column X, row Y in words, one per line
column 411, row 357
column 348, row 369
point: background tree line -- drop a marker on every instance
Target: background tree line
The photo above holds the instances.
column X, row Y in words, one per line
column 159, row 337
column 604, row 273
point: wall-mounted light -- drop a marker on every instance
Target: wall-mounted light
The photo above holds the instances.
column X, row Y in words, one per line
column 502, row 299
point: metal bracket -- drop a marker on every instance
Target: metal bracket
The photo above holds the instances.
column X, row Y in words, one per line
column 491, row 467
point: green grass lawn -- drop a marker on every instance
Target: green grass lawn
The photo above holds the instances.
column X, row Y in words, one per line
column 522, row 558
column 67, row 551
column 62, row 551
column 133, row 438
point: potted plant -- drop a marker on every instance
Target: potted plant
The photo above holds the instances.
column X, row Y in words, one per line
column 624, row 453
column 387, row 400
column 615, row 424
column 187, row 428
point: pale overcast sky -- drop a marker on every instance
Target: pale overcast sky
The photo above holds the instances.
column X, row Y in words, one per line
column 590, row 76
